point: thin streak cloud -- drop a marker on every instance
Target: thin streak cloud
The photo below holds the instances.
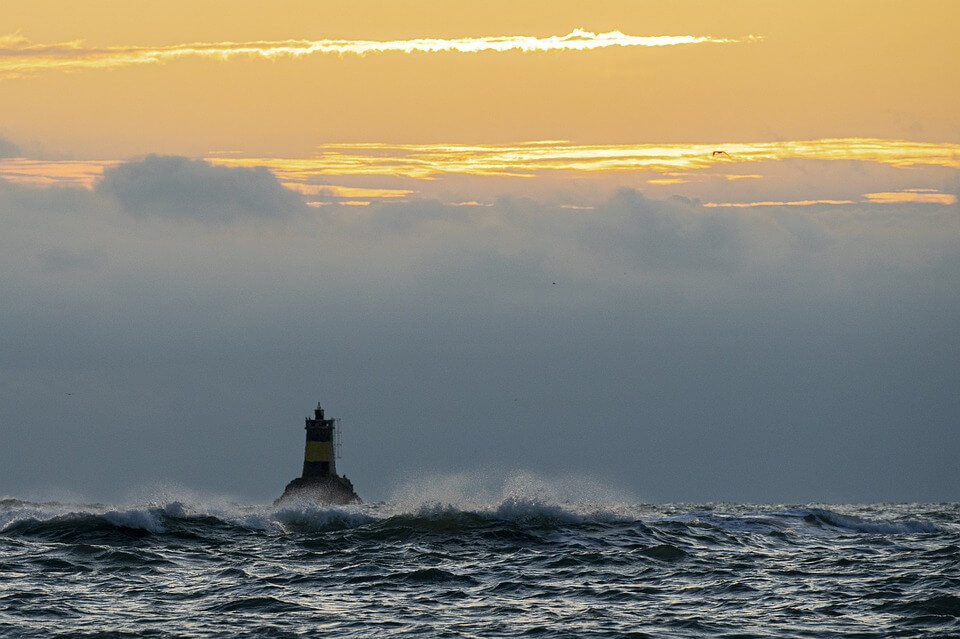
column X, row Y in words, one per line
column 382, row 165
column 79, row 173
column 918, row 196
column 19, row 56
column 766, row 203
column 912, row 196
column 427, row 161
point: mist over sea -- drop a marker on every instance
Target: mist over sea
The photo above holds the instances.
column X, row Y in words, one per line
column 450, row 559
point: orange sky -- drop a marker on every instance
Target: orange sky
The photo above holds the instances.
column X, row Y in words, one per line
column 814, row 70
column 824, row 69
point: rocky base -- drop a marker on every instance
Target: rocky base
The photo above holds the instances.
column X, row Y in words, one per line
column 332, row 490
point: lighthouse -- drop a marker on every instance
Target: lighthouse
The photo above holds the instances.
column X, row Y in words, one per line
column 319, row 458
column 320, row 481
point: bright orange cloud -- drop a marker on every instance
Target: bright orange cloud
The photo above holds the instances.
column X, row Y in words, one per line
column 923, row 196
column 426, row 161
column 346, row 191
column 20, row 56
column 676, row 164
column 83, row 173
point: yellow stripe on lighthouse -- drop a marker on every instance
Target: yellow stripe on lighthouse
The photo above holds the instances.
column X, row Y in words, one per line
column 317, row 452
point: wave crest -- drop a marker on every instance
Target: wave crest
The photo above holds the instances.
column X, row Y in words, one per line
column 823, row 517
column 520, row 504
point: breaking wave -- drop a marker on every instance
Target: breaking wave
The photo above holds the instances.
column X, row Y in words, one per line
column 526, row 558
column 60, row 521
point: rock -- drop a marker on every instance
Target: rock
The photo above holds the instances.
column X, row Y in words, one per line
column 332, row 490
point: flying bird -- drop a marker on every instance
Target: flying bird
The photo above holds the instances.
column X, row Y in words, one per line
column 720, row 153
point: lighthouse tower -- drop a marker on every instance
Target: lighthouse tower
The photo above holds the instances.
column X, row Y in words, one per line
column 319, row 458
column 320, row 482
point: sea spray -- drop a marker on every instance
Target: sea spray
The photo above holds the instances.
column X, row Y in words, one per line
column 513, row 492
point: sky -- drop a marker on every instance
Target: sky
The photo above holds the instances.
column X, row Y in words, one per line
column 688, row 250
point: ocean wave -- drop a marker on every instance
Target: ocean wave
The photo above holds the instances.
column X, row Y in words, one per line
column 937, row 606
column 57, row 519
column 517, row 511
column 823, row 517
column 531, row 511
column 178, row 518
column 259, row 605
column 521, row 563
column 778, row 522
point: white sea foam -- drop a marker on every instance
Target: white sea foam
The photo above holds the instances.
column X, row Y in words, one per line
column 515, row 496
column 319, row 517
column 519, row 497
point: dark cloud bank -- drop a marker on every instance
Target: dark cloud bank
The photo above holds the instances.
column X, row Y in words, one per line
column 178, row 322
column 182, row 189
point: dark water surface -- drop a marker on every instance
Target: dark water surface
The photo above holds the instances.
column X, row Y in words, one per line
column 517, row 567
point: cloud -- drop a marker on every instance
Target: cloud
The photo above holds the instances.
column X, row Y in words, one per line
column 183, row 189
column 19, row 56
column 21, row 170
column 673, row 233
column 811, row 173
column 769, row 203
column 929, row 196
column 526, row 159
column 9, row 150
column 682, row 352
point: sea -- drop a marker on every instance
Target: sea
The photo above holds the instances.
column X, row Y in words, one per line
column 520, row 564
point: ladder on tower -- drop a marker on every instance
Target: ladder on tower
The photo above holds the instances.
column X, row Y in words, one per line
column 336, row 438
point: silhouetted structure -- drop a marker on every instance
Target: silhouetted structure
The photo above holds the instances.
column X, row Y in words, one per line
column 320, row 481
